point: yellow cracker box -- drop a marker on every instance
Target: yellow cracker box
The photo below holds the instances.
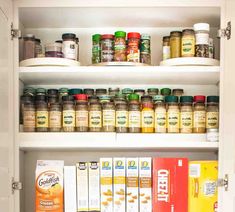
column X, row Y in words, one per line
column 106, row 188
column 119, row 184
column 203, row 176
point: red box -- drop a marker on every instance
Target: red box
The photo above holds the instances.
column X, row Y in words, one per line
column 170, row 185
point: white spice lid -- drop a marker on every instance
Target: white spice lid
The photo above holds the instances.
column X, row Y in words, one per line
column 201, row 27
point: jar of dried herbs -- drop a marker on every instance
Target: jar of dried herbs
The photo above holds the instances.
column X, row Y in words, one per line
column 95, row 117
column 108, row 117
column 55, row 116
column 68, row 116
column 82, row 117
column 41, row 117
column 122, row 118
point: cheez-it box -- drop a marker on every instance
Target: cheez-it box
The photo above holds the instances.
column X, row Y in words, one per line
column 170, row 184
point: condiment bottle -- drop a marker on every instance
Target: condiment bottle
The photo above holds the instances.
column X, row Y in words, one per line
column 160, row 114
column 134, row 119
column 147, row 115
column 186, row 114
column 82, row 116
column 29, row 47
column 212, row 113
column 165, row 91
column 107, row 48
column 166, row 49
column 52, row 96
column 199, row 115
column 69, row 46
column 55, row 116
column 96, row 48
column 122, row 118
column 188, row 43
column 145, row 49
column 173, row 114
column 120, row 46
column 68, row 116
column 108, row 117
column 133, row 43
column 133, row 98
column 41, row 117
column 175, row 43
column 29, row 117
column 95, row 117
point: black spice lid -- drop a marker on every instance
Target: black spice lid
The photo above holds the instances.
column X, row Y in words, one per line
column 68, row 36
column 146, row 97
column 52, row 91
column 37, row 40
column 67, row 98
column 213, row 99
column 59, row 41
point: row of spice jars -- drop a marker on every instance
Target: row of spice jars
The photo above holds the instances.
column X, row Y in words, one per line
column 189, row 43
column 109, row 47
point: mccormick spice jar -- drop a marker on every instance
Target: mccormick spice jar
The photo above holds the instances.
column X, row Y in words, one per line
column 122, row 118
column 108, row 117
column 133, row 51
column 145, row 49
column 165, row 91
column 107, row 48
column 95, row 117
column 96, row 48
column 55, row 123
column 69, row 46
column 41, row 117
column 54, row 50
column 82, row 117
column 29, row 47
column 52, row 96
column 199, row 115
column 212, row 113
column 29, row 121
column 160, row 114
column 134, row 118
column 188, row 43
column 68, row 121
column 147, row 115
column 175, row 43
column 173, row 114
column 120, row 46
column 186, row 114
column 166, row 49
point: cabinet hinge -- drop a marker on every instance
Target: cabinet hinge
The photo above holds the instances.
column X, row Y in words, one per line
column 223, row 182
column 15, row 33
column 225, row 33
column 16, row 186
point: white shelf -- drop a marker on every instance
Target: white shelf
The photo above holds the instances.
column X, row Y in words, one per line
column 113, row 141
column 190, row 75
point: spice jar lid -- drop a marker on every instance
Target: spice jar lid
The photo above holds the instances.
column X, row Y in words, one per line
column 59, row 41
column 199, row 98
column 114, row 90
column 120, row 95
column 29, row 36
column 127, row 90
column 158, row 98
column 101, row 90
column 63, row 90
column 93, row 98
column 188, row 31
column 154, row 90
column 201, row 27
column 139, row 91
column 120, row 34
column 104, row 97
column 96, row 37
column 184, row 99
column 213, row 99
column 133, row 96
column 165, row 91
column 176, row 33
column 89, row 91
column 146, row 97
column 172, row 99
column 178, row 90
column 75, row 91
column 145, row 37
column 52, row 91
column 107, row 36
column 133, row 35
column 29, row 91
column 80, row 97
column 57, row 47
column 67, row 98
column 166, row 38
column 41, row 90
column 68, row 36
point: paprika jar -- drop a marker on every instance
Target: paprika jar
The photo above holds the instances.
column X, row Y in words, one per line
column 55, row 116
column 133, row 44
column 95, row 117
column 122, row 118
column 108, row 117
column 175, row 43
column 41, row 117
column 188, row 43
column 160, row 114
column 107, row 48
column 173, row 114
column 82, row 116
column 147, row 115
column 120, row 46
column 68, row 117
column 199, row 115
column 212, row 113
column 134, row 119
column 29, row 117
column 69, row 46
column 186, row 114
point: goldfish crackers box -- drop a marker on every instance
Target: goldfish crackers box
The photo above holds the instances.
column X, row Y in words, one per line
column 170, row 184
column 203, row 192
column 49, row 186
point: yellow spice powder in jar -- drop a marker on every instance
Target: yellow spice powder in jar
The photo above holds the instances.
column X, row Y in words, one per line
column 173, row 114
column 175, row 44
column 186, row 114
column 147, row 115
column 199, row 115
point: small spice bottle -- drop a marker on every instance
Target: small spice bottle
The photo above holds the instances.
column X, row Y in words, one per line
column 68, row 116
column 134, row 119
column 178, row 92
column 173, row 114
column 63, row 92
column 186, row 114
column 24, row 100
column 96, row 48
column 188, row 43
column 160, row 114
column 145, row 49
column 54, row 50
column 29, row 47
column 38, row 47
column 212, row 113
column 107, row 48
column 101, row 91
column 95, row 117
column 175, row 43
column 165, row 91
column 153, row 91
column 133, row 98
column 140, row 92
column 52, row 96
column 147, row 115
column 29, row 117
column 120, row 46
column 42, row 117
column 166, row 49
column 89, row 91
column 199, row 115
column 108, row 117
column 133, row 50
column 55, row 116
column 69, row 46
column 113, row 91
column 122, row 118
column 82, row 116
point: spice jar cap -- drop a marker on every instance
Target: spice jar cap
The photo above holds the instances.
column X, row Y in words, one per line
column 201, row 26
column 68, row 36
column 120, row 95
column 158, row 98
column 199, row 98
column 133, row 96
column 41, row 90
column 38, row 40
column 58, row 41
column 120, row 34
column 133, row 35
column 145, row 37
column 80, row 97
column 29, row 36
column 178, row 90
column 165, row 91
column 75, row 91
column 88, row 91
column 213, row 99
column 146, row 97
column 101, row 90
column 67, row 98
column 114, row 89
column 184, row 99
column 63, row 90
column 169, row 99
column 166, row 38
column 104, row 97
column 96, row 37
column 188, row 31
column 139, row 90
column 52, row 91
column 127, row 90
column 176, row 33
column 107, row 36
column 93, row 97
column 153, row 90
column 29, row 91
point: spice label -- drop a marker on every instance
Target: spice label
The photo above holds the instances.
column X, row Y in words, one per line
column 96, row 48
column 134, row 119
column 42, row 119
column 133, row 57
column 145, row 47
column 212, row 120
column 69, row 49
column 160, row 121
column 121, row 118
column 202, row 38
column 148, row 118
column 55, row 119
column 188, row 45
column 199, row 119
column 119, row 46
column 95, row 119
column 29, row 119
column 173, row 121
column 68, row 118
column 108, row 117
column 166, row 52
column 81, row 118
column 186, row 120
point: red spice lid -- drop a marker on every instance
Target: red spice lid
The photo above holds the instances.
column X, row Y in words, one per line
column 133, row 35
column 81, row 97
column 199, row 98
column 107, row 36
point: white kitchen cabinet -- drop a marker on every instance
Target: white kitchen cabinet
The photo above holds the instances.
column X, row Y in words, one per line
column 48, row 20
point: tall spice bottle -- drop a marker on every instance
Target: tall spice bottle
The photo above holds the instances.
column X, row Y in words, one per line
column 199, row 115
column 160, row 114
column 68, row 116
column 147, row 115
column 186, row 114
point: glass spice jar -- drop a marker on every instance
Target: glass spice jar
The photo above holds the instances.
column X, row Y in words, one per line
column 104, row 98
column 89, row 91
column 120, row 46
column 122, row 118
column 54, row 50
column 63, row 92
column 95, row 117
column 68, row 116
column 186, row 114
column 41, row 117
column 188, row 43
column 55, row 116
column 147, row 115
column 96, row 48
column 52, row 96
column 133, row 98
column 24, row 100
column 145, row 49
column 199, row 115
column 107, row 48
column 29, row 47
column 160, row 115
column 38, row 47
column 166, row 91
column 69, row 46
column 134, row 119
column 166, row 49
column 133, row 43
column 108, row 117
column 29, row 117
column 212, row 112
column 178, row 92
column 140, row 92
column 175, row 44
column 82, row 117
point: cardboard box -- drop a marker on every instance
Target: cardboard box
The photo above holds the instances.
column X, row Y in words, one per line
column 70, row 189
column 49, row 186
column 82, row 186
column 132, row 185
column 119, row 184
column 170, row 184
column 94, row 187
column 203, row 192
column 106, row 179
column 145, row 184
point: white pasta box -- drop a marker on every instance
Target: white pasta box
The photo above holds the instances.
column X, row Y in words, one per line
column 70, row 189
column 94, row 186
column 145, row 184
column 132, row 185
column 82, row 186
column 119, row 184
column 106, row 184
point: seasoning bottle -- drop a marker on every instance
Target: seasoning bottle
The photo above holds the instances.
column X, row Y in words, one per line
column 68, row 116
column 29, row 117
column 41, row 117
column 24, row 100
column 29, row 47
column 101, row 91
column 38, row 47
column 160, row 114
column 122, row 118
column 89, row 91
column 166, row 49
column 96, row 48
column 82, row 117
column 55, row 116
column 52, row 96
column 120, row 46
column 199, row 115
column 134, row 119
column 140, row 92
column 107, row 48
column 95, row 117
column 188, row 43
column 212, row 113
column 108, row 117
column 69, row 46
column 173, row 114
column 145, row 49
column 165, row 91
column 133, row 98
column 133, row 43
column 178, row 92
column 186, row 114
column 147, row 115
column 175, row 43
column 153, row 91
column 63, row 92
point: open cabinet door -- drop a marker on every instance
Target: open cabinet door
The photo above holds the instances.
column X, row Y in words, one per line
column 6, row 108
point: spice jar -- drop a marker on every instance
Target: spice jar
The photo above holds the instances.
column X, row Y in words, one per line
column 82, row 118
column 93, row 99
column 178, row 92
column 173, row 114
column 41, row 117
column 96, row 48
column 108, row 117
column 29, row 47
column 38, row 47
column 140, row 92
column 52, row 96
column 133, row 98
column 69, row 46
column 166, row 49
column 212, row 113
column 145, row 49
column 63, row 92
column 29, row 117
column 165, row 91
column 134, row 119
column 95, row 117
column 188, row 43
column 133, row 51
column 153, row 91
column 202, row 39
column 24, row 100
column 158, row 98
column 120, row 46
column 186, row 114
column 160, row 115
column 175, row 43
column 54, row 50
column 107, row 48
column 68, row 116
column 113, row 91
column 147, row 115
column 55, row 123
column 101, row 91
column 199, row 115
column 29, row 91
column 89, row 91
column 122, row 118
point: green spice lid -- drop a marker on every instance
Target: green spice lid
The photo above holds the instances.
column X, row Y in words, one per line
column 120, row 34
column 75, row 91
column 184, row 99
column 155, row 90
column 41, row 90
column 213, row 99
column 165, row 91
column 29, row 91
column 127, row 91
column 145, row 37
column 158, row 98
column 169, row 99
column 120, row 95
column 133, row 96
column 63, row 90
column 96, row 37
